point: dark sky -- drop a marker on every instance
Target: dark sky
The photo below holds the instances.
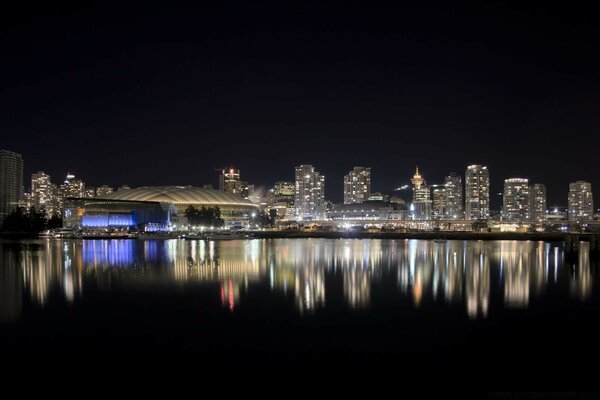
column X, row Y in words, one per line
column 145, row 95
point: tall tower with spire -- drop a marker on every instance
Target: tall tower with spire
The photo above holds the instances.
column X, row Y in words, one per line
column 417, row 180
column 421, row 197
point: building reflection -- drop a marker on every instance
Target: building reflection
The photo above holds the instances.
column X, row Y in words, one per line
column 312, row 272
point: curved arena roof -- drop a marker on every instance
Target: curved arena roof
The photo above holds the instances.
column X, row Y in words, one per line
column 180, row 195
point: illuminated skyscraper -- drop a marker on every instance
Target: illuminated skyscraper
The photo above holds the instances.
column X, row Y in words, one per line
column 477, row 192
column 454, row 197
column 73, row 187
column 440, row 202
column 421, row 205
column 229, row 182
column 310, row 193
column 11, row 181
column 581, row 202
column 537, row 202
column 42, row 192
column 357, row 185
column 516, row 200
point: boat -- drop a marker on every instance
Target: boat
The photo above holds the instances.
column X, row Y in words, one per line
column 157, row 235
column 194, row 236
column 226, row 236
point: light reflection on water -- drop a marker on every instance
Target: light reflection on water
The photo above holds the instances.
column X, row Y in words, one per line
column 471, row 273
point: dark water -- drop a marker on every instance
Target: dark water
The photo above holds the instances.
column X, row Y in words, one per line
column 499, row 315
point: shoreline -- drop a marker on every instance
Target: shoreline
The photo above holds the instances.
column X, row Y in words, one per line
column 531, row 236
column 548, row 237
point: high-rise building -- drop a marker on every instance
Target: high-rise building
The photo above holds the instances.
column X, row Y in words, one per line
column 89, row 192
column 229, row 179
column 73, row 187
column 309, row 193
column 537, row 202
column 421, row 205
column 516, row 200
column 581, row 202
column 11, row 181
column 281, row 199
column 357, row 185
column 440, row 202
column 104, row 189
column 284, row 192
column 454, row 197
column 42, row 192
column 229, row 182
column 477, row 192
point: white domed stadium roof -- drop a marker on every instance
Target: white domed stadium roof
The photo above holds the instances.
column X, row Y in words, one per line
column 180, row 195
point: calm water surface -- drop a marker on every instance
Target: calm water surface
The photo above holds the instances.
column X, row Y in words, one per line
column 509, row 312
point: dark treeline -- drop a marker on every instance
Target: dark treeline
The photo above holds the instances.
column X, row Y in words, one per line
column 210, row 216
column 30, row 221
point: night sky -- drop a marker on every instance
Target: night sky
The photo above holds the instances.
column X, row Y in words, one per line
column 149, row 95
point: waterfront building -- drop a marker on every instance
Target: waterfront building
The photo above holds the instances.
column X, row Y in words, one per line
column 357, row 185
column 537, row 202
column 151, row 207
column 309, row 193
column 477, row 192
column 581, row 202
column 516, row 200
column 123, row 187
column 454, row 197
column 376, row 211
column 11, row 181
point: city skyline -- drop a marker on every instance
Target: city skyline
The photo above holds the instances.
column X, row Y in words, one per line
column 78, row 188
column 171, row 97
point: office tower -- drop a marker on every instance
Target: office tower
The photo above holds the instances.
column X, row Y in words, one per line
column 104, row 189
column 42, row 192
column 229, row 179
column 454, row 197
column 477, row 192
column 357, row 185
column 229, row 182
column 440, row 202
column 537, row 202
column 310, row 193
column 581, row 202
column 11, row 181
column 516, row 200
column 421, row 205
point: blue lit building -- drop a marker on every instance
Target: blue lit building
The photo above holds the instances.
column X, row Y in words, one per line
column 151, row 208
column 109, row 214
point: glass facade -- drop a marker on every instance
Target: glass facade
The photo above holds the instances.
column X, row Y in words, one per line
column 477, row 192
